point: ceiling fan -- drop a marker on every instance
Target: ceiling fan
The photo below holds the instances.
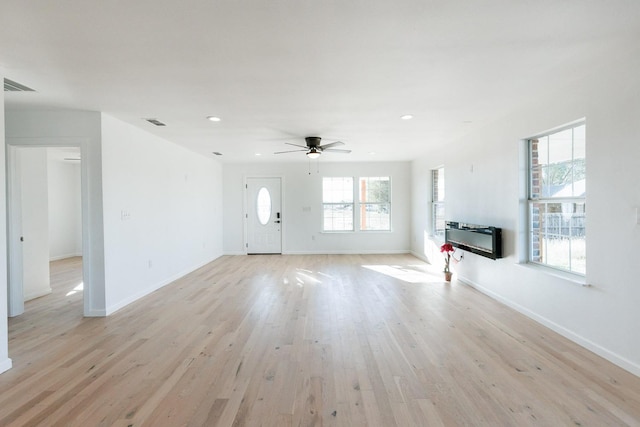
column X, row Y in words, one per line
column 314, row 149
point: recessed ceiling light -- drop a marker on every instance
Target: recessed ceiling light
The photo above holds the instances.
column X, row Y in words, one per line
column 407, row 117
column 258, row 154
column 214, row 118
column 372, row 153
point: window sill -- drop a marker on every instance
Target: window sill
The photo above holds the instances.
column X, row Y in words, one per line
column 572, row 278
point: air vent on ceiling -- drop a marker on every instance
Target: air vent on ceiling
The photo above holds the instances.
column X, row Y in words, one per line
column 217, row 153
column 155, row 122
column 11, row 86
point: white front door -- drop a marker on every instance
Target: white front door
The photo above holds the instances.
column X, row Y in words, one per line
column 264, row 216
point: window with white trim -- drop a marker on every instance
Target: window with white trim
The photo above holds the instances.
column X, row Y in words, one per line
column 375, row 203
column 337, row 203
column 437, row 203
column 557, row 199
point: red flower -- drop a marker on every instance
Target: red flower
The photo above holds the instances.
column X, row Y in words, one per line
column 447, row 247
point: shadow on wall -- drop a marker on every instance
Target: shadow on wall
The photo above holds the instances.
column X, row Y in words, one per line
column 431, row 249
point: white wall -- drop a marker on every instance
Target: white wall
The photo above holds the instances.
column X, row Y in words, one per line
column 35, row 226
column 65, row 211
column 484, row 186
column 162, row 211
column 302, row 227
column 5, row 362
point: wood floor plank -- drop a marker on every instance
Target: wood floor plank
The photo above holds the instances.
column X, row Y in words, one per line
column 323, row 340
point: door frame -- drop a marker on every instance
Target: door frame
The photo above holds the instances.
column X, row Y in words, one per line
column 245, row 210
column 15, row 286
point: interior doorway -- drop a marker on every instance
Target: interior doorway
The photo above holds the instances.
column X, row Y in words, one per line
column 45, row 218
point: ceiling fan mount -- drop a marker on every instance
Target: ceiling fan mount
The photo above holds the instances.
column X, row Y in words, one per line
column 313, row 141
column 314, row 149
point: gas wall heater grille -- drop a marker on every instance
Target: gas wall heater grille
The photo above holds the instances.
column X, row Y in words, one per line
column 11, row 86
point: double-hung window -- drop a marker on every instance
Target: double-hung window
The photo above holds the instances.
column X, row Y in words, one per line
column 557, row 199
column 337, row 203
column 437, row 203
column 375, row 203
column 373, row 209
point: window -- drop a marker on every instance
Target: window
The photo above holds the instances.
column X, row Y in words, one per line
column 263, row 206
column 337, row 202
column 557, row 199
column 437, row 203
column 375, row 203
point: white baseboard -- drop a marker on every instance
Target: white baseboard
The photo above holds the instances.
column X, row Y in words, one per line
column 340, row 252
column 38, row 294
column 347, row 252
column 121, row 304
column 420, row 256
column 612, row 357
column 59, row 257
column 96, row 313
column 5, row 365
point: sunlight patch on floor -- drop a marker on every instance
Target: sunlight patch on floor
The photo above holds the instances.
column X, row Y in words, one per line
column 307, row 277
column 407, row 274
column 75, row 290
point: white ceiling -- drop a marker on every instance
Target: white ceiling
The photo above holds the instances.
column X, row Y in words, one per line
column 276, row 71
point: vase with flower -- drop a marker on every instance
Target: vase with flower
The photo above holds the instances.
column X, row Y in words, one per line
column 447, row 249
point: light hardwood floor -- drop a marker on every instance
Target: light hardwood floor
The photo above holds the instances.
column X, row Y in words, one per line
column 304, row 340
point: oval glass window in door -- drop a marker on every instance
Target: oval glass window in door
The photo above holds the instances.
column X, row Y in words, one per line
column 263, row 206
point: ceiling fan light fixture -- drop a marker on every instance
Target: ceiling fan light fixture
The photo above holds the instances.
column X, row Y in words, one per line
column 313, row 153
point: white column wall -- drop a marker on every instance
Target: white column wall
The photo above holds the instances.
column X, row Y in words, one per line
column 5, row 362
column 162, row 211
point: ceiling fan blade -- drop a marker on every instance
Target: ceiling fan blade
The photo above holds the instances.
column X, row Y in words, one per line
column 290, row 151
column 336, row 150
column 296, row 145
column 332, row 144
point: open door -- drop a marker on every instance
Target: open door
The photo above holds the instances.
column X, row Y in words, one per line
column 15, row 300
